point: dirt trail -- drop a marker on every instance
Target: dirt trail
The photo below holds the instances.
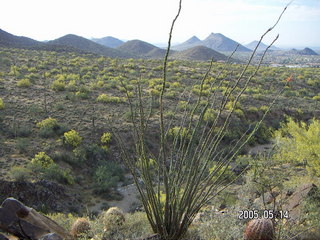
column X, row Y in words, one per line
column 130, row 199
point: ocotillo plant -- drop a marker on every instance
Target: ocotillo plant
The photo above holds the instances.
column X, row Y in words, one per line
column 177, row 180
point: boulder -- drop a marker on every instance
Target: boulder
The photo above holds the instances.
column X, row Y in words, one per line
column 26, row 223
column 2, row 237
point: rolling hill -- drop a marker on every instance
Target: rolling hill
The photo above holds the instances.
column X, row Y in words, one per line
column 108, row 41
column 142, row 49
column 84, row 44
column 12, row 41
column 200, row 53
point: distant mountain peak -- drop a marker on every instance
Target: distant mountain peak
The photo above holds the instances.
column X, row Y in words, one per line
column 307, row 51
column 219, row 42
column 262, row 46
column 193, row 39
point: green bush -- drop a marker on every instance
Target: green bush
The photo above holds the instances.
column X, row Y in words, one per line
column 48, row 123
column 2, row 106
column 107, row 176
column 299, row 142
column 24, row 83
column 73, row 138
column 104, row 98
column 54, row 172
column 179, row 132
column 50, row 127
column 58, row 85
column 210, row 115
column 20, row 173
column 22, row 145
column 42, row 160
column 106, row 138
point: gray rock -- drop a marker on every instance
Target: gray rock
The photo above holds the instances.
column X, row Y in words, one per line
column 11, row 223
column 26, row 223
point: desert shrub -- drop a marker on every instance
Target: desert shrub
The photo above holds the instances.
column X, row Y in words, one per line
column 317, row 98
column 107, row 176
column 46, row 132
column 54, row 172
column 24, row 83
column 72, row 86
column 1, row 104
column 210, row 115
column 92, row 154
column 79, row 155
column 24, row 131
column 22, row 145
column 63, row 156
column 58, row 85
column 179, row 132
column 216, row 225
column 42, row 160
column 104, row 98
column 73, row 138
column 50, row 127
column 299, row 142
column 20, row 173
column 65, row 220
column 48, row 123
column 105, row 140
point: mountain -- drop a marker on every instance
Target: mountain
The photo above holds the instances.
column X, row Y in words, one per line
column 12, row 41
column 86, row 45
column 191, row 42
column 200, row 53
column 221, row 43
column 307, row 51
column 262, row 46
column 142, row 49
column 215, row 41
column 108, row 41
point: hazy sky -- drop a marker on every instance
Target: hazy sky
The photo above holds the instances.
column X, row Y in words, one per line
column 149, row 20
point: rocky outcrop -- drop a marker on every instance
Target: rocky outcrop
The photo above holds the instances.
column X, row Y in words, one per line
column 43, row 195
column 26, row 223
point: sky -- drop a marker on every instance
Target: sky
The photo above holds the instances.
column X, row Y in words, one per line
column 150, row 20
